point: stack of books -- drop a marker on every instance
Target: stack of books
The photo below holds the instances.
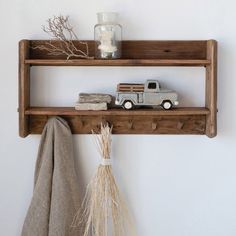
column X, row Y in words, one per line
column 93, row 101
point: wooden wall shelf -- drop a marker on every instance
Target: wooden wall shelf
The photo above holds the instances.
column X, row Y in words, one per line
column 193, row 120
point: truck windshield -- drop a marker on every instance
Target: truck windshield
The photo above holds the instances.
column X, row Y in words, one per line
column 152, row 85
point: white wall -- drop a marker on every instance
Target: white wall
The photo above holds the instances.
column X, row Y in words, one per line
column 175, row 185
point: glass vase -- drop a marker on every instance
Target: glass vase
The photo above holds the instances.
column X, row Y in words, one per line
column 107, row 36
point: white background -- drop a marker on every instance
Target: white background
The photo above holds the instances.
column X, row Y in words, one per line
column 174, row 185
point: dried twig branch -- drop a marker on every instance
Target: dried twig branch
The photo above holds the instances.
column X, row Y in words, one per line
column 60, row 29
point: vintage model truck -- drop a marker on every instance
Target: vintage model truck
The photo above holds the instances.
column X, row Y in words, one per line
column 149, row 94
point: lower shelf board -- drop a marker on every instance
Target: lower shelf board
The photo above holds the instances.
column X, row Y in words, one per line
column 57, row 111
column 143, row 121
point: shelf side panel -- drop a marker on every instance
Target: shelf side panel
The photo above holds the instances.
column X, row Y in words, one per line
column 24, row 88
column 211, row 89
column 136, row 49
column 189, row 124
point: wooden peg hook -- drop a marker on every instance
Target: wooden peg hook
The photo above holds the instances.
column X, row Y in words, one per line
column 180, row 125
column 130, row 124
column 80, row 120
column 154, row 125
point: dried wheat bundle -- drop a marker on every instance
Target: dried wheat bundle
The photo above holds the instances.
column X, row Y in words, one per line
column 103, row 210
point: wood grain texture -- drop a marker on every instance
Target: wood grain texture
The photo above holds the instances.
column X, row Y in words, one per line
column 117, row 62
column 211, row 89
column 70, row 111
column 140, row 49
column 194, row 124
column 130, row 87
column 24, row 88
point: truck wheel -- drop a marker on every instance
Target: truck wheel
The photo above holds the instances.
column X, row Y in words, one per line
column 167, row 104
column 128, row 105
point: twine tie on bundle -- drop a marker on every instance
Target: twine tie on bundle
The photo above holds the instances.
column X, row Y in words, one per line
column 105, row 162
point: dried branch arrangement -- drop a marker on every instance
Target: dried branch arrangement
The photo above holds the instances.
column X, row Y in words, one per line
column 60, row 29
column 103, row 210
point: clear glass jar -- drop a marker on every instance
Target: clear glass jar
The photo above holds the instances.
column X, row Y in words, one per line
column 107, row 36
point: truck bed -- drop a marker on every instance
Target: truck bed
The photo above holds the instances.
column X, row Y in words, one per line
column 126, row 87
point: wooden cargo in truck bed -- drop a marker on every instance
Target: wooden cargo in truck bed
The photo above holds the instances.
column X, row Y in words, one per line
column 126, row 87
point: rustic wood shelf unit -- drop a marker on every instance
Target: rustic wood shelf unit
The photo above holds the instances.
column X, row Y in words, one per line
column 191, row 120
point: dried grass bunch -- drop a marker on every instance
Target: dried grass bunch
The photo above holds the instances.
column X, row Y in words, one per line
column 60, row 29
column 103, row 210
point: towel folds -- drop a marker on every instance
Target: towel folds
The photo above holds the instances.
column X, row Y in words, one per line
column 56, row 192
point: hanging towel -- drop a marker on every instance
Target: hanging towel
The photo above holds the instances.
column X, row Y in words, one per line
column 56, row 193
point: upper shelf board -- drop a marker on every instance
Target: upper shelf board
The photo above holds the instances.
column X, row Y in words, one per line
column 117, row 62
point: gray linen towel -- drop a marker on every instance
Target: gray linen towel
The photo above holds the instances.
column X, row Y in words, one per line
column 56, row 193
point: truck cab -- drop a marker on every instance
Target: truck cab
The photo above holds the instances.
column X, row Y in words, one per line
column 152, row 86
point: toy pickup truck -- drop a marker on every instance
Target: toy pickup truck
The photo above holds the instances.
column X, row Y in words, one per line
column 148, row 94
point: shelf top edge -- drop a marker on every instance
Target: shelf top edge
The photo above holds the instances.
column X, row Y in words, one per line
column 128, row 40
column 116, row 60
